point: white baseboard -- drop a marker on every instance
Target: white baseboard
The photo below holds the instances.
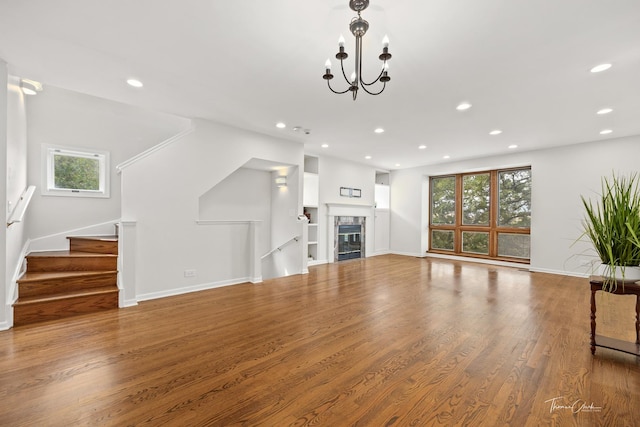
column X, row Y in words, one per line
column 558, row 272
column 411, row 254
column 7, row 324
column 127, row 303
column 189, row 289
column 385, row 252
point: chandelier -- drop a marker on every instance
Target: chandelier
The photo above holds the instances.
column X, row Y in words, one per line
column 359, row 27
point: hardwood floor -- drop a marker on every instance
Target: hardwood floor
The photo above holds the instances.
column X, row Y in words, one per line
column 386, row 341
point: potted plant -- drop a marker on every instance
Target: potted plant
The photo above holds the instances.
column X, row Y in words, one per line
column 612, row 224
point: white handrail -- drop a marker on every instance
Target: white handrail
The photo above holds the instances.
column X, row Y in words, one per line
column 279, row 248
column 153, row 149
column 21, row 207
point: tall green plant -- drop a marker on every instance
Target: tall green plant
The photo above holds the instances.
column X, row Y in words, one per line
column 612, row 222
column 634, row 236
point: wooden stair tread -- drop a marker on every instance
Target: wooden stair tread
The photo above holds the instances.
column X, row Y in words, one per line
column 41, row 276
column 68, row 253
column 112, row 238
column 68, row 295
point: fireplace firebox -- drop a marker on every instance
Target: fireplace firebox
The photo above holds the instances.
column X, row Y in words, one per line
column 349, row 242
column 349, row 238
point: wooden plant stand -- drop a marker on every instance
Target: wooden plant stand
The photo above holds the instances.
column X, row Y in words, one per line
column 624, row 288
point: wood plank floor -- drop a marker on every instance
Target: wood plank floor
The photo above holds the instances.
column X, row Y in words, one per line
column 386, row 341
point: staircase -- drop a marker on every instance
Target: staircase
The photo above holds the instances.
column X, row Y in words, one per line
column 60, row 284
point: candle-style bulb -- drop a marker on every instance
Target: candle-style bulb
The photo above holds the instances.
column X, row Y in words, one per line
column 353, row 77
column 341, row 41
column 327, row 65
column 385, row 41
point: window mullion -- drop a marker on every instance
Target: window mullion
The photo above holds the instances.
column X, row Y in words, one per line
column 457, row 247
column 493, row 214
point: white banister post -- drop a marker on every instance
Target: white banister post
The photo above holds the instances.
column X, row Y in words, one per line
column 304, row 249
column 255, row 259
column 127, row 263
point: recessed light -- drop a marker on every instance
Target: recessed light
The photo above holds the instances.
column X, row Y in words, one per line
column 446, row 157
column 601, row 67
column 325, row 146
column 397, row 164
column 379, row 130
column 463, row 106
column 605, row 132
column 605, row 111
column 495, row 132
column 134, row 83
column 281, row 125
column 512, row 146
column 367, row 157
column 422, row 147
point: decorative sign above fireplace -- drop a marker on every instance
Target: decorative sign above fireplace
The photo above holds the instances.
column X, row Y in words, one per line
column 350, row 192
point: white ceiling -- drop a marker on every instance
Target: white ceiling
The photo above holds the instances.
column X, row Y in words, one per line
column 523, row 65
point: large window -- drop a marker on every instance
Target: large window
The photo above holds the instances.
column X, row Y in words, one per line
column 75, row 172
column 482, row 214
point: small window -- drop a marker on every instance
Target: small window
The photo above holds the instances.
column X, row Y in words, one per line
column 75, row 172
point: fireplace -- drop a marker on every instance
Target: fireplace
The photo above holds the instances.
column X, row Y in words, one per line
column 350, row 214
column 349, row 237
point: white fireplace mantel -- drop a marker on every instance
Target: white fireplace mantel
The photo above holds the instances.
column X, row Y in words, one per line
column 349, row 209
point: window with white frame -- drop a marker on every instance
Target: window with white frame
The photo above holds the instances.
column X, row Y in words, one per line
column 75, row 172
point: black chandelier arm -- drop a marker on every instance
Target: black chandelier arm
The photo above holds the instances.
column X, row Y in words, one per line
column 337, row 92
column 373, row 82
column 345, row 74
column 375, row 93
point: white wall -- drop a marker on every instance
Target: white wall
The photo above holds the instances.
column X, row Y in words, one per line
column 242, row 196
column 559, row 177
column 335, row 173
column 61, row 117
column 13, row 137
column 407, row 211
column 161, row 195
column 382, row 224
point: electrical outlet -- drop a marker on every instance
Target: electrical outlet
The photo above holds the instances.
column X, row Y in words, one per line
column 189, row 273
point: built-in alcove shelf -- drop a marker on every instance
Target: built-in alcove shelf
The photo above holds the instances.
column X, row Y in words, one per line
column 312, row 243
column 310, row 202
column 313, row 234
